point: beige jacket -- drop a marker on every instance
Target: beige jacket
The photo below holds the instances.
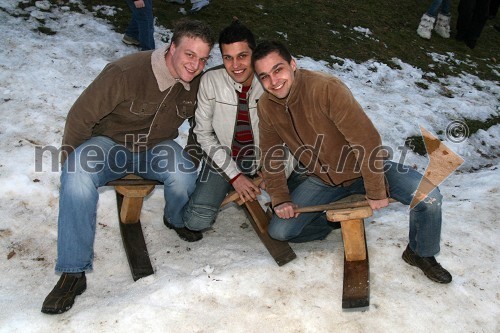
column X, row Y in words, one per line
column 327, row 131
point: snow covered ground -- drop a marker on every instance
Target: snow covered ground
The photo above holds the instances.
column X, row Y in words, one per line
column 228, row 282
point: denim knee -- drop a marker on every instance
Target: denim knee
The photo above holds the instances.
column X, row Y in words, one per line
column 199, row 217
column 279, row 229
column 432, row 202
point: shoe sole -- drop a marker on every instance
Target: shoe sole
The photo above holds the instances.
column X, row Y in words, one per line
column 130, row 43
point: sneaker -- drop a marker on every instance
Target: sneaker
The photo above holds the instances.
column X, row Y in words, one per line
column 199, row 5
column 62, row 297
column 184, row 233
column 180, row 2
column 431, row 268
column 130, row 40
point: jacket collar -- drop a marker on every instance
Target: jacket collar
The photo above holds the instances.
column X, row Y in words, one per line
column 238, row 86
column 161, row 72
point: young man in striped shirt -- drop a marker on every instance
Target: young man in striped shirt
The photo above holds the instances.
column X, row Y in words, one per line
column 226, row 129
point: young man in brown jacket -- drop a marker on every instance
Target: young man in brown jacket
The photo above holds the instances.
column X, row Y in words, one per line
column 126, row 121
column 326, row 129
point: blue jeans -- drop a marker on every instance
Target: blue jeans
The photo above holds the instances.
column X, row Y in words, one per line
column 141, row 25
column 211, row 189
column 439, row 6
column 425, row 218
column 98, row 161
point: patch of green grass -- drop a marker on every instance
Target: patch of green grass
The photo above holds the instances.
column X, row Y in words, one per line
column 475, row 125
column 416, row 143
column 322, row 28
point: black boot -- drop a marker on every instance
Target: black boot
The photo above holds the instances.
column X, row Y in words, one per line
column 62, row 297
column 431, row 268
column 184, row 233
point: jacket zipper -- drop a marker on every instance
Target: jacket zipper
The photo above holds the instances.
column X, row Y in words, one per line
column 287, row 111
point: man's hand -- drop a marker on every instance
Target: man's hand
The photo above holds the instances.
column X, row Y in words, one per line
column 245, row 188
column 139, row 4
column 377, row 204
column 286, row 210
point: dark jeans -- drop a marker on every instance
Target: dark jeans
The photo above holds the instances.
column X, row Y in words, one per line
column 141, row 25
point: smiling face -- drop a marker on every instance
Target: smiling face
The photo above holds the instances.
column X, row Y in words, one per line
column 276, row 74
column 237, row 62
column 188, row 58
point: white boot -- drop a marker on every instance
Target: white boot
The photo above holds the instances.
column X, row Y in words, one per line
column 425, row 27
column 442, row 27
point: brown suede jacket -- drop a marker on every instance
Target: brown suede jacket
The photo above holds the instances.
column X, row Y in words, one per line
column 327, row 131
column 135, row 101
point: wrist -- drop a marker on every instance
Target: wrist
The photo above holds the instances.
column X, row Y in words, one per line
column 234, row 178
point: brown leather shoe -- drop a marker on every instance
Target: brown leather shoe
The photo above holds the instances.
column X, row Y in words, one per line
column 431, row 268
column 62, row 297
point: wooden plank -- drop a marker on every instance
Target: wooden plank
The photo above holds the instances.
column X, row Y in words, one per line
column 135, row 246
column 338, row 215
column 353, row 236
column 132, row 179
column 356, row 287
column 133, row 197
column 281, row 251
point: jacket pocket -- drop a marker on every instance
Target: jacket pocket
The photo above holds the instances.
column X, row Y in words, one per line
column 185, row 109
column 142, row 109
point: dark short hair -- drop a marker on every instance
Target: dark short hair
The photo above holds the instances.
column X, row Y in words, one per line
column 266, row 47
column 193, row 29
column 236, row 32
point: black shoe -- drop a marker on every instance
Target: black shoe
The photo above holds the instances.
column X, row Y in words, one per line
column 62, row 297
column 431, row 268
column 184, row 233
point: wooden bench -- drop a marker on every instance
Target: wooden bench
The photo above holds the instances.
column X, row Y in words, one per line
column 130, row 193
column 350, row 212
